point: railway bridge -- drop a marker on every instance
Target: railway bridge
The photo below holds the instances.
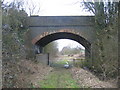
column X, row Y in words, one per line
column 45, row 29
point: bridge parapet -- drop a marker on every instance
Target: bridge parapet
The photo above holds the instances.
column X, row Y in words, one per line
column 47, row 21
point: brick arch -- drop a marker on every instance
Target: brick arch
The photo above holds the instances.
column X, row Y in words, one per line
column 45, row 39
column 45, row 34
column 43, row 28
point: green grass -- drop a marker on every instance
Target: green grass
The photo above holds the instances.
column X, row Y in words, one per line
column 60, row 63
column 60, row 78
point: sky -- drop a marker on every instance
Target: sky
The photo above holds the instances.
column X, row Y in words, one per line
column 67, row 42
column 56, row 8
column 60, row 8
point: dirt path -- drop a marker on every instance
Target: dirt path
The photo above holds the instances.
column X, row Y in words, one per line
column 27, row 74
column 59, row 78
column 73, row 78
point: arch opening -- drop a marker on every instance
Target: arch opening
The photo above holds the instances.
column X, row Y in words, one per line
column 63, row 35
column 65, row 52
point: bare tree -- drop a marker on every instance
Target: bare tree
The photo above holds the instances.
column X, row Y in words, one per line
column 32, row 7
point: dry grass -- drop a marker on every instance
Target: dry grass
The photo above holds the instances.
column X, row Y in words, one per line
column 87, row 79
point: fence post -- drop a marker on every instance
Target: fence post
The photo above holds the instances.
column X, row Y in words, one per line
column 73, row 62
column 48, row 60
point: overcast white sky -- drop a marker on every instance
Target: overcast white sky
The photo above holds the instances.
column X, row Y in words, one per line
column 57, row 8
column 60, row 8
column 54, row 7
column 66, row 42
